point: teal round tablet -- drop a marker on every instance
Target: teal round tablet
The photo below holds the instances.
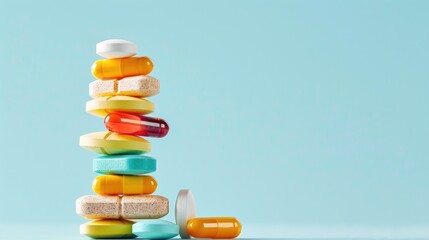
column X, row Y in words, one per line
column 155, row 229
column 124, row 164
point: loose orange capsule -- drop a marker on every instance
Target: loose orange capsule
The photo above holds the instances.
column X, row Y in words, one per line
column 124, row 185
column 213, row 227
column 121, row 67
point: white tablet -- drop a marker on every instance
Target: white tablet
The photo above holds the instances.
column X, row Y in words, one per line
column 116, row 48
column 185, row 210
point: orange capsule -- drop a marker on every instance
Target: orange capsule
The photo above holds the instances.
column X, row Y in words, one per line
column 213, row 227
column 121, row 67
column 124, row 185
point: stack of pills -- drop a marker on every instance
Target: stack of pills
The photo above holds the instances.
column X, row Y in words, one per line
column 123, row 189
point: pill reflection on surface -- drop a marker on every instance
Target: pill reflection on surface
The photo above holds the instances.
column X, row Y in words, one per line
column 213, row 227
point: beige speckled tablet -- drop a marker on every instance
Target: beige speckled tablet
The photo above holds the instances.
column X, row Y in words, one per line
column 99, row 88
column 99, row 207
column 136, row 86
column 149, row 206
column 117, row 207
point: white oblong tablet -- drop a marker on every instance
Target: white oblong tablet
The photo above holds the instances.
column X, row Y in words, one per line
column 115, row 48
column 185, row 210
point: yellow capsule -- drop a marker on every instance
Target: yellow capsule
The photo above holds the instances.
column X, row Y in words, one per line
column 124, row 185
column 213, row 227
column 121, row 67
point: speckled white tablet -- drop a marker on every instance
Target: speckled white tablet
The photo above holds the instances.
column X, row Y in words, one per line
column 122, row 207
column 144, row 207
column 136, row 86
column 185, row 210
column 116, row 48
column 99, row 207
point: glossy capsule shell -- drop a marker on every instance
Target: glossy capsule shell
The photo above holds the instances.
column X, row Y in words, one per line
column 136, row 125
column 124, row 185
column 121, row 67
column 213, row 227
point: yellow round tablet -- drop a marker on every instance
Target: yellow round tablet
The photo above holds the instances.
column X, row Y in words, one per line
column 102, row 106
column 111, row 143
column 108, row 228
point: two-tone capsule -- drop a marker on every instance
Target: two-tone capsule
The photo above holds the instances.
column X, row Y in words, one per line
column 213, row 227
column 124, row 185
column 136, row 125
column 121, row 67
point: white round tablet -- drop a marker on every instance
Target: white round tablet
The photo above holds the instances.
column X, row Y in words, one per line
column 185, row 210
column 115, row 48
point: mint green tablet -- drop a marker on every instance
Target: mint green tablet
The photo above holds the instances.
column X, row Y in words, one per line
column 124, row 164
column 155, row 229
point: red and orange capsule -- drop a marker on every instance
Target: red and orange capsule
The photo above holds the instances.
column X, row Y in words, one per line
column 134, row 124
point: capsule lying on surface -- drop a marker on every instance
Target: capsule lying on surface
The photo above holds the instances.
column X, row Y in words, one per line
column 136, row 125
column 121, row 67
column 213, row 227
column 124, row 185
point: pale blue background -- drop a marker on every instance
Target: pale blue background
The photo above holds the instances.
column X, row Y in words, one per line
column 281, row 112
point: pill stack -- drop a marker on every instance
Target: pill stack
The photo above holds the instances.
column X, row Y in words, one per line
column 124, row 189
